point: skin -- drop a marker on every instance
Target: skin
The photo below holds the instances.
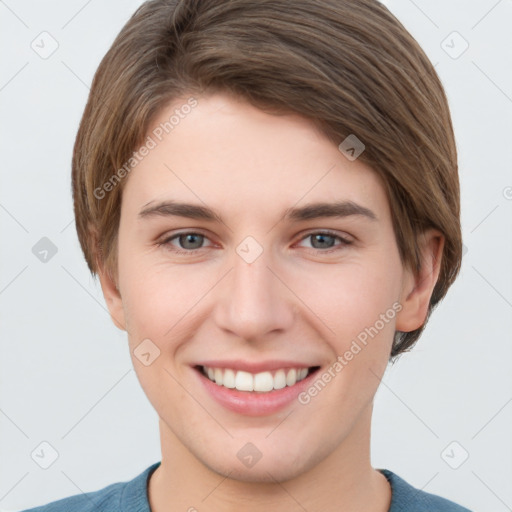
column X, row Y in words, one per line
column 295, row 301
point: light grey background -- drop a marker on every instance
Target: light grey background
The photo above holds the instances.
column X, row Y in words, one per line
column 66, row 375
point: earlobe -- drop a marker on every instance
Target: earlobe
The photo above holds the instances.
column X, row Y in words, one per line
column 417, row 288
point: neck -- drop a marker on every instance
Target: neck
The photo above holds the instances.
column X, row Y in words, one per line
column 343, row 481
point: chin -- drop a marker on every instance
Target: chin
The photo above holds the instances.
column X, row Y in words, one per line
column 272, row 468
column 260, row 473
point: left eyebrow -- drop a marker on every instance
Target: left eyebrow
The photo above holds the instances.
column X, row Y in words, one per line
column 337, row 209
column 311, row 211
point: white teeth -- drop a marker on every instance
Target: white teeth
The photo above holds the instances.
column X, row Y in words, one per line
column 262, row 382
column 229, row 379
column 244, row 381
column 280, row 379
column 291, row 377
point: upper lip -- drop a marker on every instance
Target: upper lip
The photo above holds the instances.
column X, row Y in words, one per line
column 253, row 366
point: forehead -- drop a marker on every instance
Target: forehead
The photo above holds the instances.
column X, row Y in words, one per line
column 231, row 155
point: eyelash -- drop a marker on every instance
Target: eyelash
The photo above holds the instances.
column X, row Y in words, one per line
column 344, row 242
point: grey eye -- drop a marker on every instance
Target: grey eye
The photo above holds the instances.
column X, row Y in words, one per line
column 325, row 241
column 190, row 240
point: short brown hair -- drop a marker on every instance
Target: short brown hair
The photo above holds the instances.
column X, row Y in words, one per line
column 347, row 65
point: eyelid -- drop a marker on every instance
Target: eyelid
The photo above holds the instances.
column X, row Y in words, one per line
column 330, row 232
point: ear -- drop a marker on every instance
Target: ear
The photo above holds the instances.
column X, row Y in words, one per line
column 108, row 283
column 417, row 288
column 112, row 297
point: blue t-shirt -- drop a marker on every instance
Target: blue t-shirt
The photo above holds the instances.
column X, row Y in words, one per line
column 132, row 496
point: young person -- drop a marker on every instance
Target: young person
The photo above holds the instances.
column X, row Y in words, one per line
column 268, row 192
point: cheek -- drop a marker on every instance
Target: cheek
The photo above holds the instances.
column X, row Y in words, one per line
column 352, row 296
column 159, row 298
column 360, row 308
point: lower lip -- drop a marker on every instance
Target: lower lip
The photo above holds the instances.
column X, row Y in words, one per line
column 251, row 403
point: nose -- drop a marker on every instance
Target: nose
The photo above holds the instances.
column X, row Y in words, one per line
column 253, row 302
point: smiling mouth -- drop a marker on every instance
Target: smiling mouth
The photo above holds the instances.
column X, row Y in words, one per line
column 263, row 382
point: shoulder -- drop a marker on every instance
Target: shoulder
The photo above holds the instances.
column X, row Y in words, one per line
column 119, row 497
column 104, row 499
column 405, row 497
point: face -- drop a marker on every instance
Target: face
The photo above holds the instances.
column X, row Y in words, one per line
column 281, row 276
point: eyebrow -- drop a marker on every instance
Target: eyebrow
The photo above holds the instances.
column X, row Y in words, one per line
column 311, row 211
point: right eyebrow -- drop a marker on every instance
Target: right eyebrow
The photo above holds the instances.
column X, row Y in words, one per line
column 173, row 208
